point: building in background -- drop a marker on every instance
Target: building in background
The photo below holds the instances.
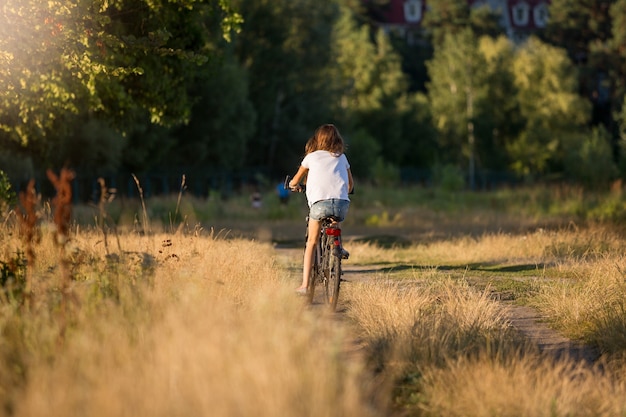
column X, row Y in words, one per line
column 518, row 18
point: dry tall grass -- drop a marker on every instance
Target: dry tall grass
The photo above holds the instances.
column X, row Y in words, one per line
column 448, row 349
column 193, row 324
column 173, row 325
column 520, row 386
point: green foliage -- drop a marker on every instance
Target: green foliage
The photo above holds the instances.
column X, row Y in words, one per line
column 457, row 92
column 285, row 48
column 403, row 130
column 93, row 146
column 610, row 209
column 372, row 91
column 369, row 73
column 385, row 173
column 501, row 123
column 574, row 24
column 592, row 31
column 621, row 119
column 531, row 151
column 121, row 62
column 617, row 53
column 446, row 17
column 378, row 220
column 448, row 177
column 8, row 197
column 484, row 20
column 617, row 12
column 143, row 84
column 589, row 158
column 547, row 85
column 363, row 152
column 222, row 120
column 549, row 104
column 13, row 276
column 16, row 166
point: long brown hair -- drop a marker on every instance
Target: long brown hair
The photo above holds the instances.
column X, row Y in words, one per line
column 310, row 146
column 328, row 138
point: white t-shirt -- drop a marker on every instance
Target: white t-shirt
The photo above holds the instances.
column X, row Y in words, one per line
column 327, row 177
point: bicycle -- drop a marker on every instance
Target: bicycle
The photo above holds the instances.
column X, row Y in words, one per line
column 326, row 267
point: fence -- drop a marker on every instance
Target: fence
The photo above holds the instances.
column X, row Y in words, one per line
column 86, row 188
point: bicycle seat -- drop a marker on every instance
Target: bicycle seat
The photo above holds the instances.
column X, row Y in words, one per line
column 331, row 219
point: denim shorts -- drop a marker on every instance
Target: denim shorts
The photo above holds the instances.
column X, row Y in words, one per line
column 332, row 207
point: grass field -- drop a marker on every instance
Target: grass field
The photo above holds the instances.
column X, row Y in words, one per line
column 182, row 313
column 432, row 315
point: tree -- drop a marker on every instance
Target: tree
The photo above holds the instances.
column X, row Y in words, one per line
column 549, row 103
column 588, row 158
column 369, row 72
column 457, row 93
column 222, row 121
column 373, row 93
column 284, row 47
column 452, row 16
column 621, row 120
column 500, row 122
column 576, row 24
column 123, row 62
column 617, row 44
column 446, row 17
column 585, row 29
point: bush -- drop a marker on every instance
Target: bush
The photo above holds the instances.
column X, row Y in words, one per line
column 385, row 173
column 448, row 177
column 362, row 152
column 588, row 159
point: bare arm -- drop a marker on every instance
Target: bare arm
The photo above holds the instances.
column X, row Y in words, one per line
column 300, row 175
column 350, row 181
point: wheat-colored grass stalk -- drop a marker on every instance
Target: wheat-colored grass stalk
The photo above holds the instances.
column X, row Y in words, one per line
column 27, row 217
column 145, row 220
column 107, row 195
column 183, row 187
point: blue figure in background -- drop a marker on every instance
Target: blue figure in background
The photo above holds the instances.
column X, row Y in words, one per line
column 283, row 193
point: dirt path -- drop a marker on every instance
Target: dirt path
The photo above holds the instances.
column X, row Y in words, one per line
column 526, row 320
column 531, row 324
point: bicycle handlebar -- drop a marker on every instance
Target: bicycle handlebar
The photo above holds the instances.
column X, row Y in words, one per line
column 299, row 189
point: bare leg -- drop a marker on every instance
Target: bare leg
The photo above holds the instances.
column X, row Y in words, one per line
column 314, row 234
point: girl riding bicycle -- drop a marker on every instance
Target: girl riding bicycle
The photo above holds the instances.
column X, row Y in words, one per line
column 328, row 183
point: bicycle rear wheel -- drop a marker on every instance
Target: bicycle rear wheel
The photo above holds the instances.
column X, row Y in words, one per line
column 332, row 273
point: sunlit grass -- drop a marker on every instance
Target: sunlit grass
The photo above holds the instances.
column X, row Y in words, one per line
column 434, row 330
column 189, row 320
column 519, row 386
column 171, row 325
